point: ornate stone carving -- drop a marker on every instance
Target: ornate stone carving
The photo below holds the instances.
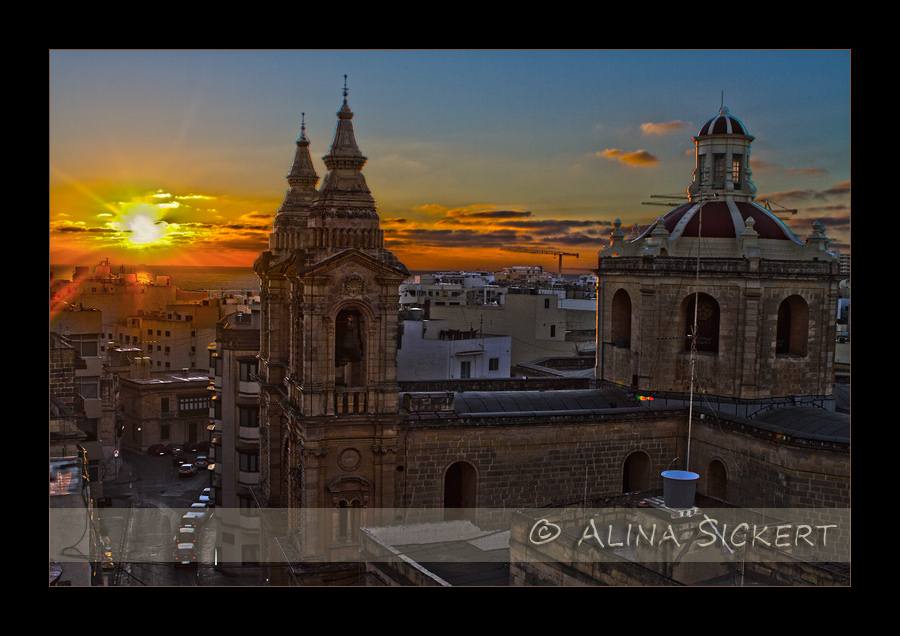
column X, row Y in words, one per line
column 353, row 286
column 349, row 459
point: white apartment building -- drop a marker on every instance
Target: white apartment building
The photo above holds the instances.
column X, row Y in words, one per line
column 431, row 350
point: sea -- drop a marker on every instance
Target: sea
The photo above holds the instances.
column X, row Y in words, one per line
column 210, row 279
column 214, row 280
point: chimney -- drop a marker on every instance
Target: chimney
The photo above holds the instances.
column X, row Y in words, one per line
column 140, row 370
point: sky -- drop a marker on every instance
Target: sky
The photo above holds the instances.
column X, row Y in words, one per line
column 179, row 157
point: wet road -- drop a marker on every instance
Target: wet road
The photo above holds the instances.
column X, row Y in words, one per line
column 148, row 500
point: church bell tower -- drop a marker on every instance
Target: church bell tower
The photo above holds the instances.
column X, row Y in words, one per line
column 329, row 409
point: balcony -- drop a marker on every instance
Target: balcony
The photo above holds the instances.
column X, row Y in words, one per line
column 248, row 388
column 248, row 434
column 349, row 401
column 247, row 478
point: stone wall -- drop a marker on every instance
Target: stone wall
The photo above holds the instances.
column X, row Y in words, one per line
column 551, row 459
column 533, row 460
column 769, row 470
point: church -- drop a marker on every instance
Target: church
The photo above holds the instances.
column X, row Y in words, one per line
column 715, row 356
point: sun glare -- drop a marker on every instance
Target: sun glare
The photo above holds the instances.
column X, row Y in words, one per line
column 144, row 225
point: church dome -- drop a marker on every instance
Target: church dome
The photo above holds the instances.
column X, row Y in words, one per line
column 723, row 124
column 722, row 219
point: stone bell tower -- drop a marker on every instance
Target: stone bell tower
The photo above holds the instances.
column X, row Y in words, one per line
column 719, row 289
column 328, row 356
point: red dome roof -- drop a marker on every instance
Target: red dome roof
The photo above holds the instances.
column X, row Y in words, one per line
column 722, row 219
column 723, row 124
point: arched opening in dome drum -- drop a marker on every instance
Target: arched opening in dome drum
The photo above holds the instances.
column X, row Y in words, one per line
column 707, row 315
column 792, row 330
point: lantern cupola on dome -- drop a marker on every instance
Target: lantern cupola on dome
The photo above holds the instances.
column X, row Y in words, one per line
column 722, row 165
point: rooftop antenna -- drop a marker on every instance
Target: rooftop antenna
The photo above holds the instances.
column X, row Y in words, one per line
column 687, row 460
column 345, row 88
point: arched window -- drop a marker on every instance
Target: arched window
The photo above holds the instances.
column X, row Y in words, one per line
column 792, row 330
column 707, row 336
column 636, row 472
column 349, row 348
column 460, row 486
column 347, row 520
column 716, row 480
column 621, row 319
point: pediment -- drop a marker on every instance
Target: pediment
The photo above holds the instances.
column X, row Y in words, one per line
column 355, row 259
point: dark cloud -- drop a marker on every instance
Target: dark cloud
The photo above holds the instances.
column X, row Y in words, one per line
column 810, row 194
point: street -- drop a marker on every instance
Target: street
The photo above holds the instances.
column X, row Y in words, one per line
column 148, row 500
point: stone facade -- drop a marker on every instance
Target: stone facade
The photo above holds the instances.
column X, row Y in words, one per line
column 329, row 398
column 645, row 314
column 337, row 435
column 164, row 409
column 534, row 461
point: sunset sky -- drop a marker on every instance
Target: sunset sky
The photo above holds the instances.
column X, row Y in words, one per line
column 179, row 157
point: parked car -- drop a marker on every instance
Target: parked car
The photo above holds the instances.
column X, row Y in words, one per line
column 186, row 534
column 193, row 519
column 197, row 447
column 174, row 449
column 180, row 458
column 202, row 509
column 187, row 470
column 206, row 496
column 185, row 553
column 201, row 462
column 157, row 449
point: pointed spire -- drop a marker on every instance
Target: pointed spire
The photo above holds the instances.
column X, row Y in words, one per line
column 303, row 173
column 343, row 146
column 302, row 178
column 291, row 217
column 344, row 186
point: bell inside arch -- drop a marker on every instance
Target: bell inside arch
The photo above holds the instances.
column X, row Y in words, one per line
column 347, row 347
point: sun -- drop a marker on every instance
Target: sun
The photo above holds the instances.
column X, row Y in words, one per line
column 144, row 224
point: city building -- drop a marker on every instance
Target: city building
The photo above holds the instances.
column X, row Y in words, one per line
column 163, row 409
column 349, row 464
column 430, row 350
column 111, row 320
column 68, row 421
column 71, row 509
column 235, row 437
column 539, row 324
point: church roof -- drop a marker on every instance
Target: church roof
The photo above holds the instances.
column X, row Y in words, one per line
column 799, row 422
column 806, row 422
column 492, row 402
column 723, row 124
column 722, row 219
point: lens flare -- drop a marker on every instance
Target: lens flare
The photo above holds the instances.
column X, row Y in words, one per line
column 144, row 224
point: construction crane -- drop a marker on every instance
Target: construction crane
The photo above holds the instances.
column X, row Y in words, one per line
column 768, row 205
column 532, row 250
column 673, row 200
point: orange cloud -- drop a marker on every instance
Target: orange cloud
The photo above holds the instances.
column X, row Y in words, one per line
column 638, row 158
column 664, row 128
